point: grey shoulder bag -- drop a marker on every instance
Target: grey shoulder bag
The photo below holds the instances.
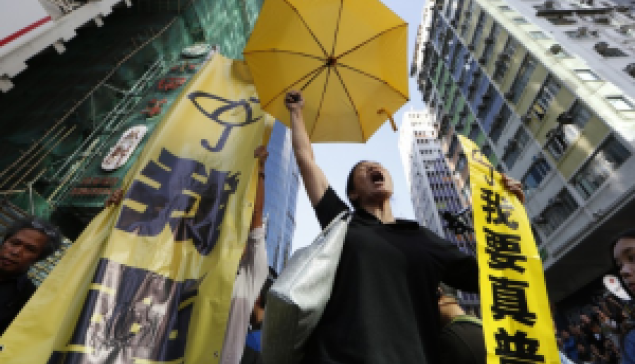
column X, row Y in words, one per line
column 297, row 299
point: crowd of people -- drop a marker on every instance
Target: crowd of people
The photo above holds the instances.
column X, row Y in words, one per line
column 388, row 303
column 598, row 335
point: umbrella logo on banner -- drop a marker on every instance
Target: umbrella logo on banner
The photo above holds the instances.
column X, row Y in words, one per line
column 215, row 115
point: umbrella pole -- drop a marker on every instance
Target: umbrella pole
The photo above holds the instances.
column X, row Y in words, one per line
column 392, row 121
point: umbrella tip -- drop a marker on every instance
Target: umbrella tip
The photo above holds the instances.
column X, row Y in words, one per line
column 392, row 121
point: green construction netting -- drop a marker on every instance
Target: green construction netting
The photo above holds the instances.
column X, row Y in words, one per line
column 98, row 88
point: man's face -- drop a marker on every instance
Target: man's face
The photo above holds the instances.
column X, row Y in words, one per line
column 372, row 182
column 21, row 250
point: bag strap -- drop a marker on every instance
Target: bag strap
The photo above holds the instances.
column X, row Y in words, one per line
column 468, row 318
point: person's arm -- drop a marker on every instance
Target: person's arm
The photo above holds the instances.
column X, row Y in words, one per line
column 259, row 203
column 315, row 181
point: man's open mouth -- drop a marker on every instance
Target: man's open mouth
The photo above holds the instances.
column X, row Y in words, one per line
column 376, row 176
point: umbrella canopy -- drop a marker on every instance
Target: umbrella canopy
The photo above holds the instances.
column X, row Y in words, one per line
column 349, row 57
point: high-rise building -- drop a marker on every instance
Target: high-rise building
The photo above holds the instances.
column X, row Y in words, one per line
column 432, row 188
column 546, row 89
column 281, row 193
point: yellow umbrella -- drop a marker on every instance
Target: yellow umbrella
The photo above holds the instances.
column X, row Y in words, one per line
column 348, row 56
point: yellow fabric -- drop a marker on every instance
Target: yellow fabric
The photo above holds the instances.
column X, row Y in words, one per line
column 50, row 322
column 494, row 266
column 291, row 45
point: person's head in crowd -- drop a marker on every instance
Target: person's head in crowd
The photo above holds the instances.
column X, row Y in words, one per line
column 602, row 316
column 565, row 334
column 581, row 348
column 595, row 327
column 449, row 307
column 258, row 312
column 574, row 330
column 623, row 253
column 25, row 242
column 585, row 319
column 368, row 184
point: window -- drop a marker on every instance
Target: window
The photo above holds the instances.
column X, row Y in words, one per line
column 620, row 103
column 526, row 69
column 582, row 33
column 474, row 131
column 478, row 31
column 568, row 133
column 546, row 94
column 500, row 121
column 558, row 211
column 587, row 75
column 536, row 173
column 461, row 163
column 515, row 146
column 486, row 102
column 558, row 20
column 504, row 59
column 504, row 8
column 455, row 58
column 453, row 145
column 562, row 54
column 519, row 20
column 606, row 160
column 487, row 151
column 537, row 34
column 613, row 52
column 489, row 46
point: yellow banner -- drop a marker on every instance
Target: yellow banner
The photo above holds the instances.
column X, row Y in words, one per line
column 516, row 316
column 150, row 281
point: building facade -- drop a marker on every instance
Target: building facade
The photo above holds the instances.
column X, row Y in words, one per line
column 281, row 193
column 432, row 187
column 546, row 89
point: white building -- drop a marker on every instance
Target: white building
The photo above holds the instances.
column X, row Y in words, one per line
column 431, row 183
column 546, row 89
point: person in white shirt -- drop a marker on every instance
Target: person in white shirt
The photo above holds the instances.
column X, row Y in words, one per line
column 252, row 273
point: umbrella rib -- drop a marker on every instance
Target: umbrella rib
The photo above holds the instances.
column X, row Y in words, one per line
column 285, row 51
column 317, row 116
column 337, row 27
column 371, row 39
column 373, row 77
column 317, row 70
column 350, row 99
column 307, row 27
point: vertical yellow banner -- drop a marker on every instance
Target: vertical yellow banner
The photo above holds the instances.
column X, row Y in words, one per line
column 516, row 316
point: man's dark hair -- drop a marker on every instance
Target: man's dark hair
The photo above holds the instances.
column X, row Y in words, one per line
column 350, row 185
column 53, row 242
column 271, row 278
